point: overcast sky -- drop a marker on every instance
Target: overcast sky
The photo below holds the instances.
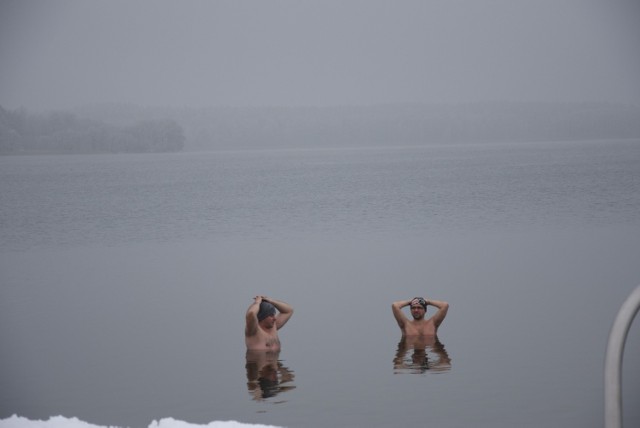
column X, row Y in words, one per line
column 65, row 53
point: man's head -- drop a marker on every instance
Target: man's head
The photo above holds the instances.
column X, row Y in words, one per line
column 418, row 307
column 266, row 310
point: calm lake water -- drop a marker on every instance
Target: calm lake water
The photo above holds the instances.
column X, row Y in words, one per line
column 125, row 279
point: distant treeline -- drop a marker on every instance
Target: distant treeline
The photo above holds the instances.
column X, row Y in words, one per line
column 64, row 132
column 394, row 124
column 131, row 128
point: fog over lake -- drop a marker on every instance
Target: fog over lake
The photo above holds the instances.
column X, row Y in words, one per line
column 164, row 162
column 59, row 55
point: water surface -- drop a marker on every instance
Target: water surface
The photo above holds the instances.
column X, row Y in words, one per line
column 125, row 280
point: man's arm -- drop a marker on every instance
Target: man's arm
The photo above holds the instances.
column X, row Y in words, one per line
column 251, row 325
column 285, row 311
column 443, row 307
column 396, row 307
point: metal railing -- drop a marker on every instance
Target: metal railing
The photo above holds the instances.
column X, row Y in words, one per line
column 613, row 360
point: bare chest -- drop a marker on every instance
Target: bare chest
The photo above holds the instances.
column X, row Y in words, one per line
column 265, row 341
column 425, row 328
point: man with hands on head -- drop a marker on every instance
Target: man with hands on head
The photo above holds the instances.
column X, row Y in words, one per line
column 263, row 323
column 419, row 326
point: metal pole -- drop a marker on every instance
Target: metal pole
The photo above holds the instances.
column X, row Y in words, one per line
column 613, row 360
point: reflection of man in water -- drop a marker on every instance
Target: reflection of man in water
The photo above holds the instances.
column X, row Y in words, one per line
column 420, row 334
column 263, row 323
column 428, row 354
column 266, row 375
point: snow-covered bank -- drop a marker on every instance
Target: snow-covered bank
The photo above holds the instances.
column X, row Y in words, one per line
column 62, row 422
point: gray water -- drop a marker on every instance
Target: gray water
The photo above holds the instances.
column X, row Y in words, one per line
column 125, row 279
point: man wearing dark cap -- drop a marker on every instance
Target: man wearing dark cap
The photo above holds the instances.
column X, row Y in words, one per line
column 263, row 323
column 419, row 326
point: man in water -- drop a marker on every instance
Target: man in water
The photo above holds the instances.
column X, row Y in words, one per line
column 418, row 326
column 262, row 323
column 420, row 335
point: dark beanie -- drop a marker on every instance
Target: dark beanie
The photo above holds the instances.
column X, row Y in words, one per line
column 266, row 309
column 419, row 301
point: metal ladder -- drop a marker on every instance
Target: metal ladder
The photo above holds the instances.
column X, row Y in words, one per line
column 613, row 360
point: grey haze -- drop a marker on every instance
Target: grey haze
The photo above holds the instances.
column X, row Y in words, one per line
column 69, row 53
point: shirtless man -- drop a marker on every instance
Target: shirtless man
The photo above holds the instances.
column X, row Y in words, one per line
column 419, row 326
column 262, row 323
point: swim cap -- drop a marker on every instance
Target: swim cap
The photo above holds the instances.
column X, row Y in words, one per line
column 419, row 301
column 266, row 309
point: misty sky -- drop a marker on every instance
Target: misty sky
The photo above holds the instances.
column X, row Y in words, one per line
column 65, row 53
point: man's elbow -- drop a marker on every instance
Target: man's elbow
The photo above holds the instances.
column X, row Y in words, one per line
column 444, row 308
